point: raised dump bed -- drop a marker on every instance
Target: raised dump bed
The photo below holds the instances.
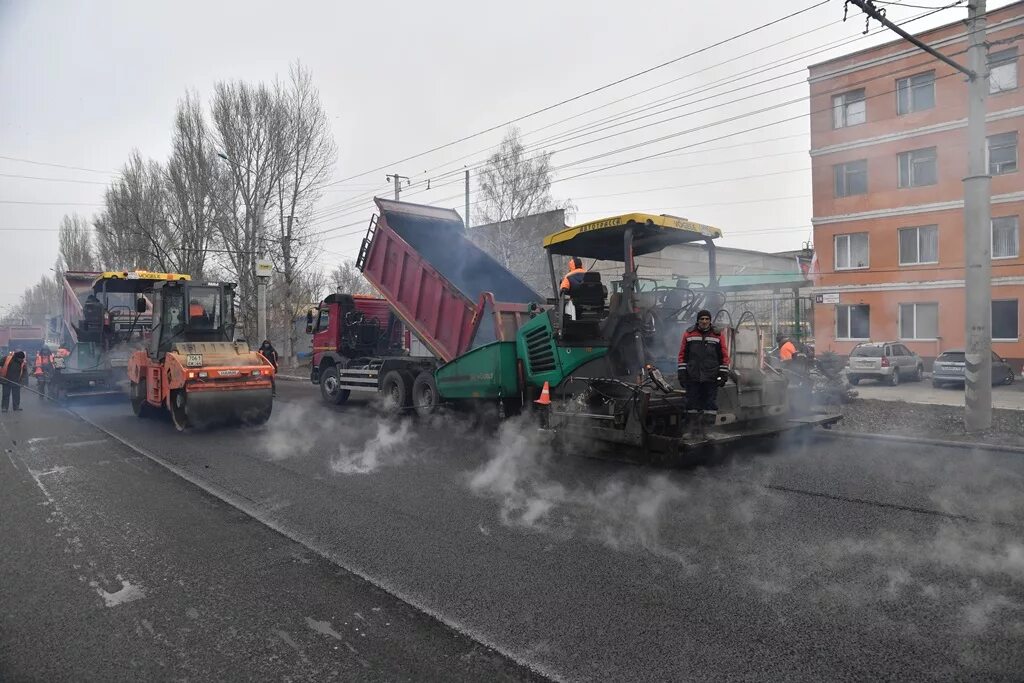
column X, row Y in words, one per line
column 447, row 290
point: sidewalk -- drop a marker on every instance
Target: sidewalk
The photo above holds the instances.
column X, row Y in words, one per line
column 1006, row 397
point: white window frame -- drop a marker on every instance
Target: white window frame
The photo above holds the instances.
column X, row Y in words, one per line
column 841, row 168
column 910, row 87
column 1007, row 61
column 849, row 253
column 912, row 164
column 899, row 320
column 1005, row 339
column 1016, row 153
column 992, row 234
column 917, row 229
column 846, row 307
column 841, row 104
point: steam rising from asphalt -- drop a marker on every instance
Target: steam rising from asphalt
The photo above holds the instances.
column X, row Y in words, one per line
column 366, row 440
column 389, row 447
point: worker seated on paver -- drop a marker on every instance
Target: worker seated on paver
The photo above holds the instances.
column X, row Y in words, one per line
column 585, row 291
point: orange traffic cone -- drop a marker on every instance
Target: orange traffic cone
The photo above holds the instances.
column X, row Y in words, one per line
column 545, row 396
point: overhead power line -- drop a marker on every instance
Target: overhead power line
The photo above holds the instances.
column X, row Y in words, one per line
column 44, row 163
column 588, row 92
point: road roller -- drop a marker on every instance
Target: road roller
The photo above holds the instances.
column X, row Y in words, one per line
column 191, row 366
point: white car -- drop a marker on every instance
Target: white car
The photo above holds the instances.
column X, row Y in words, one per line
column 890, row 362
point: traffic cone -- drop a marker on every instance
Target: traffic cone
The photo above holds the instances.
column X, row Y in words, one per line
column 545, row 396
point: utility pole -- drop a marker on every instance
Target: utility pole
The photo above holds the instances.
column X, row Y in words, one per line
column 467, row 199
column 289, row 275
column 977, row 214
column 398, row 183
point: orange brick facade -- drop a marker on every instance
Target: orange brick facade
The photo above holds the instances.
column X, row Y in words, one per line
column 855, row 130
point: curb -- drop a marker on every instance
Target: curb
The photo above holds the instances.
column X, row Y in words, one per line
column 896, row 438
column 291, row 378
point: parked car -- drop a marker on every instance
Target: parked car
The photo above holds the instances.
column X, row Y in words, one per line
column 889, row 362
column 949, row 369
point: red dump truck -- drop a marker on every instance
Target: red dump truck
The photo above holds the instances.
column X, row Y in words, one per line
column 442, row 296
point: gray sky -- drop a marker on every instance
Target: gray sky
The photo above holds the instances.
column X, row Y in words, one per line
column 81, row 84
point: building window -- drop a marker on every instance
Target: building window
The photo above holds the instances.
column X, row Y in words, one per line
column 849, row 109
column 919, row 245
column 1002, row 153
column 853, row 322
column 915, row 93
column 851, row 178
column 852, row 251
column 1004, row 320
column 918, row 167
column 919, row 321
column 1002, row 71
column 1005, row 237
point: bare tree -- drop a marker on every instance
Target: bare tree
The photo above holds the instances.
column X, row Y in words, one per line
column 286, row 317
column 195, row 184
column 250, row 127
column 76, row 249
column 347, row 279
column 131, row 232
column 513, row 184
column 39, row 301
column 309, row 156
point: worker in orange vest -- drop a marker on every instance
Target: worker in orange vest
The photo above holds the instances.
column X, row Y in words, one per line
column 787, row 348
column 13, row 374
column 574, row 276
column 43, row 368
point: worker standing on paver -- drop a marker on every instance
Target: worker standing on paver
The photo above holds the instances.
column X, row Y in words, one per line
column 703, row 367
column 13, row 374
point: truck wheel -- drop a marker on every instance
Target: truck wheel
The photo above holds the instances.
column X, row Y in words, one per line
column 395, row 389
column 424, row 394
column 140, row 406
column 330, row 387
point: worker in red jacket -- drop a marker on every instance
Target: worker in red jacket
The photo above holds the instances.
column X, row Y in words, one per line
column 703, row 367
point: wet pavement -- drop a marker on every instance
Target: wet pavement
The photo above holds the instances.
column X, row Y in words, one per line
column 810, row 560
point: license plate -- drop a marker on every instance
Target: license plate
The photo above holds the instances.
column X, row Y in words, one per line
column 194, row 360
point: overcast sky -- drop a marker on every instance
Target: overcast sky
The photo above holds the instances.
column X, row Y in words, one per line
column 82, row 83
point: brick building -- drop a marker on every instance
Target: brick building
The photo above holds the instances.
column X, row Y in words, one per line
column 888, row 155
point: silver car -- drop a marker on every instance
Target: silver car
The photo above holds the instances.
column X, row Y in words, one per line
column 889, row 362
column 949, row 369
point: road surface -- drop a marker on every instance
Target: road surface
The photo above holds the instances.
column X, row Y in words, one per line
column 834, row 559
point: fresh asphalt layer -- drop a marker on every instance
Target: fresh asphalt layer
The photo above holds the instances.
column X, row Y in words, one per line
column 113, row 568
column 827, row 559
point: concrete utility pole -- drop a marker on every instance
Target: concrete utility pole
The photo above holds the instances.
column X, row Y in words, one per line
column 977, row 214
column 398, row 183
column 466, row 217
column 289, row 275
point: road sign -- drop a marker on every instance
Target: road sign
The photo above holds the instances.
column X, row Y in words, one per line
column 827, row 298
column 264, row 268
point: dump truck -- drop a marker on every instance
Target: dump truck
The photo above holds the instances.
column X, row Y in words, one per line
column 99, row 329
column 16, row 337
column 191, row 366
column 605, row 359
column 448, row 294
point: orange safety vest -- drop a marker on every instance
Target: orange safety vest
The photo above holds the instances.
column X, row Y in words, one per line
column 39, row 365
column 196, row 311
column 564, row 287
column 7, row 363
column 787, row 350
